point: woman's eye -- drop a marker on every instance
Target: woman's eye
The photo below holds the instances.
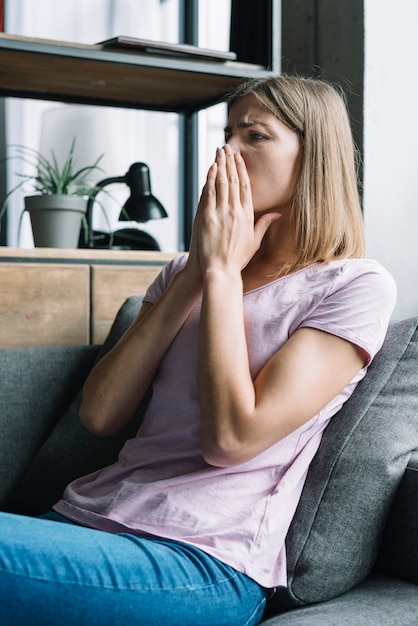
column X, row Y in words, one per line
column 257, row 137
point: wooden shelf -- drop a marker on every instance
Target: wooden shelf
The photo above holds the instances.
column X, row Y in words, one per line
column 89, row 74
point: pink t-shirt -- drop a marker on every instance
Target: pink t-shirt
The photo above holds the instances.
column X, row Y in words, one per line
column 161, row 484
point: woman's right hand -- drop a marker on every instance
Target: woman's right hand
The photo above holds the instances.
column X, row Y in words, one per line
column 193, row 267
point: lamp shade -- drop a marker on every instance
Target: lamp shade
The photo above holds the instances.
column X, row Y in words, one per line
column 141, row 205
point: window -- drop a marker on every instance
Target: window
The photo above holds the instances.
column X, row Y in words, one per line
column 123, row 136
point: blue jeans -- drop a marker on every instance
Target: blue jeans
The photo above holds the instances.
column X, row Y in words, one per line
column 54, row 573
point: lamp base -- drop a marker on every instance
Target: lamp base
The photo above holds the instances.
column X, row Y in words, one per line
column 123, row 239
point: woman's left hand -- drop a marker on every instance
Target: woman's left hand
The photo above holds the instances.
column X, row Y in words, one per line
column 228, row 237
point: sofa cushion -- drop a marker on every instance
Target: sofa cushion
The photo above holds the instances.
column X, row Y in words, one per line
column 37, row 384
column 71, row 450
column 334, row 537
column 378, row 601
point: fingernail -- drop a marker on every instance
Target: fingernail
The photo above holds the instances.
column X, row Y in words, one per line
column 228, row 149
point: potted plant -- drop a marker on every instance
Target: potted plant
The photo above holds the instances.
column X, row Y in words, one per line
column 58, row 207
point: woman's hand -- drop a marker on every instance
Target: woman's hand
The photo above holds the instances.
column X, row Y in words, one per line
column 192, row 267
column 227, row 237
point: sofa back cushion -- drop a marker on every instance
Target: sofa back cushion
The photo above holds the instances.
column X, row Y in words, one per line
column 335, row 534
column 71, row 450
column 37, row 384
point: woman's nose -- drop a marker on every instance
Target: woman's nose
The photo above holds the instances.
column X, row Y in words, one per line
column 234, row 144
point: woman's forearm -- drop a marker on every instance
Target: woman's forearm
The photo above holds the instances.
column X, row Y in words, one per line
column 226, row 390
column 118, row 383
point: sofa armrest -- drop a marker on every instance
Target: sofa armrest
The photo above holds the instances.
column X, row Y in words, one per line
column 399, row 549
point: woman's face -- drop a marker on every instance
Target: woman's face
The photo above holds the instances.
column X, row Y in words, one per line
column 272, row 153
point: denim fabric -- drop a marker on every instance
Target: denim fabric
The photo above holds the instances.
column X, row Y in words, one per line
column 54, row 573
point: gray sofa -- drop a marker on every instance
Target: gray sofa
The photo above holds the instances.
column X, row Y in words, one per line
column 353, row 544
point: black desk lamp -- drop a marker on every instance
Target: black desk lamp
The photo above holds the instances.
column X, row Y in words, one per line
column 141, row 205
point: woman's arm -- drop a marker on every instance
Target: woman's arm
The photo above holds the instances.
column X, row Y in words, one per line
column 241, row 417
column 119, row 381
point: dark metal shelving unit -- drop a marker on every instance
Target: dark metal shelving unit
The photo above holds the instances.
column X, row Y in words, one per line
column 54, row 70
column 90, row 74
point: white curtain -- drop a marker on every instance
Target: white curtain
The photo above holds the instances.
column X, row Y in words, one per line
column 124, row 136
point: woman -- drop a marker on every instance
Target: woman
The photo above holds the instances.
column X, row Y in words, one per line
column 251, row 342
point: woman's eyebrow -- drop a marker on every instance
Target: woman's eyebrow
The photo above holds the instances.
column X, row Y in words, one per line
column 248, row 124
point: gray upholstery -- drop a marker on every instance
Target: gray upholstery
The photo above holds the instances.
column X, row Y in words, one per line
column 378, row 601
column 36, row 387
column 335, row 535
column 71, row 449
column 361, row 478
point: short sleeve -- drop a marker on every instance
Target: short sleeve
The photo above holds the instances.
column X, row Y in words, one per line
column 162, row 281
column 358, row 306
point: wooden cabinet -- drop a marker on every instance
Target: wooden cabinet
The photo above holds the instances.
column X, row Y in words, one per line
column 110, row 286
column 68, row 297
column 44, row 304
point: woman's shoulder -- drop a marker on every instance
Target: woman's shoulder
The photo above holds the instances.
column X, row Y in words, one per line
column 363, row 282
column 365, row 272
column 165, row 276
column 322, row 279
column 362, row 265
column 176, row 264
column 360, row 298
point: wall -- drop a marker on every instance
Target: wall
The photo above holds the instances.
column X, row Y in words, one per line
column 371, row 48
column 391, row 143
column 325, row 38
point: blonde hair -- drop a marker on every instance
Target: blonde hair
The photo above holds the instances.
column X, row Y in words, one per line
column 327, row 212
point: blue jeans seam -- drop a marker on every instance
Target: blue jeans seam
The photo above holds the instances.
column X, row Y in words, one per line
column 256, row 610
column 118, row 587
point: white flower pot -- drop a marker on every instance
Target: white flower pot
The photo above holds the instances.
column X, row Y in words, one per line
column 56, row 220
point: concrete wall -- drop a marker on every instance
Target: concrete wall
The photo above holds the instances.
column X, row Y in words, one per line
column 371, row 48
column 390, row 136
column 325, row 38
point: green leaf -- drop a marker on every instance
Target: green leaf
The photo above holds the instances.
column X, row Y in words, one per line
column 48, row 178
